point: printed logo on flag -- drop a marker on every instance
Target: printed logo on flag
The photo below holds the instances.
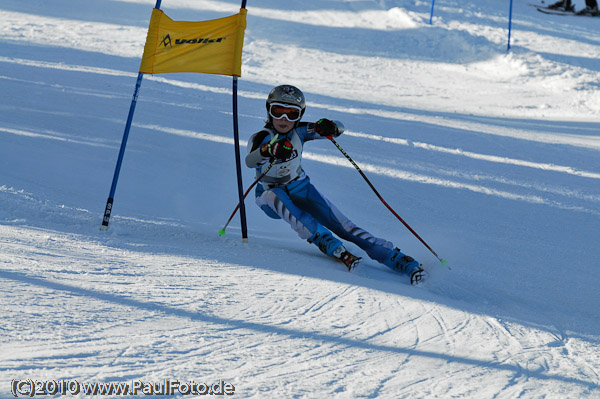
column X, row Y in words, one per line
column 167, row 42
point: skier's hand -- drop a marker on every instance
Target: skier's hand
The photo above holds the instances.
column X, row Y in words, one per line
column 327, row 128
column 281, row 149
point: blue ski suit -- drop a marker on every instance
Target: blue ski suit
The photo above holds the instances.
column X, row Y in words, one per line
column 286, row 192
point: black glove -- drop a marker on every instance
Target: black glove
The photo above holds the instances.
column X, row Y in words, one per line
column 326, row 128
column 281, row 149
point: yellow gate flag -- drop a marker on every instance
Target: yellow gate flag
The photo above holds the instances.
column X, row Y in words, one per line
column 213, row 46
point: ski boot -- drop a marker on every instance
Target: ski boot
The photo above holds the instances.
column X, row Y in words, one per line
column 351, row 261
column 326, row 242
column 400, row 262
column 406, row 264
column 418, row 275
column 593, row 11
column 331, row 246
column 562, row 5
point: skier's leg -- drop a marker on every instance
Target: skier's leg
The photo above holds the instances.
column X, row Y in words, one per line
column 590, row 9
column 593, row 5
column 560, row 4
column 569, row 6
column 311, row 200
column 277, row 203
column 383, row 251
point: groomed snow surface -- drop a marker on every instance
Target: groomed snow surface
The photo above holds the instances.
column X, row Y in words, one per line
column 491, row 156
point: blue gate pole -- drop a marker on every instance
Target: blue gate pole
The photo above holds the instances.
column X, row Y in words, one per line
column 113, row 187
column 238, row 166
column 509, row 24
column 431, row 13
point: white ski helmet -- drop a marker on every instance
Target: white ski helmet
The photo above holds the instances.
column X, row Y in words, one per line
column 286, row 94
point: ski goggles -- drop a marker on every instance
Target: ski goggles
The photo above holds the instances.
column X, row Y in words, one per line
column 290, row 112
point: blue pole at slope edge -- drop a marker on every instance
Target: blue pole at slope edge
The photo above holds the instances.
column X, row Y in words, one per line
column 509, row 24
column 238, row 167
column 431, row 13
column 113, row 186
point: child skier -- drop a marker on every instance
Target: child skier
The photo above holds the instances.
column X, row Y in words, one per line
column 285, row 191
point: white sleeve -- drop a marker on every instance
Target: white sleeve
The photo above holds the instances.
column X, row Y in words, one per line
column 254, row 158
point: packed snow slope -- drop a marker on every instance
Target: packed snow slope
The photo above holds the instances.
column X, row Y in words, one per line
column 490, row 155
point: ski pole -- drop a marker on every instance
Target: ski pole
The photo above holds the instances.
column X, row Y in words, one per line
column 442, row 261
column 222, row 231
column 263, row 174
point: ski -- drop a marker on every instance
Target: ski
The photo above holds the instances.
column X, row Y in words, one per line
column 559, row 12
column 552, row 11
column 549, row 10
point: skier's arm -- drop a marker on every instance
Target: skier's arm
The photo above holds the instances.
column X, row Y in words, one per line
column 280, row 149
column 254, row 157
column 327, row 128
column 321, row 129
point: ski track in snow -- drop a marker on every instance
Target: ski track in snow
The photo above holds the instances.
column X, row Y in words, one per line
column 376, row 169
column 390, row 172
column 494, row 158
column 262, row 55
column 127, row 292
